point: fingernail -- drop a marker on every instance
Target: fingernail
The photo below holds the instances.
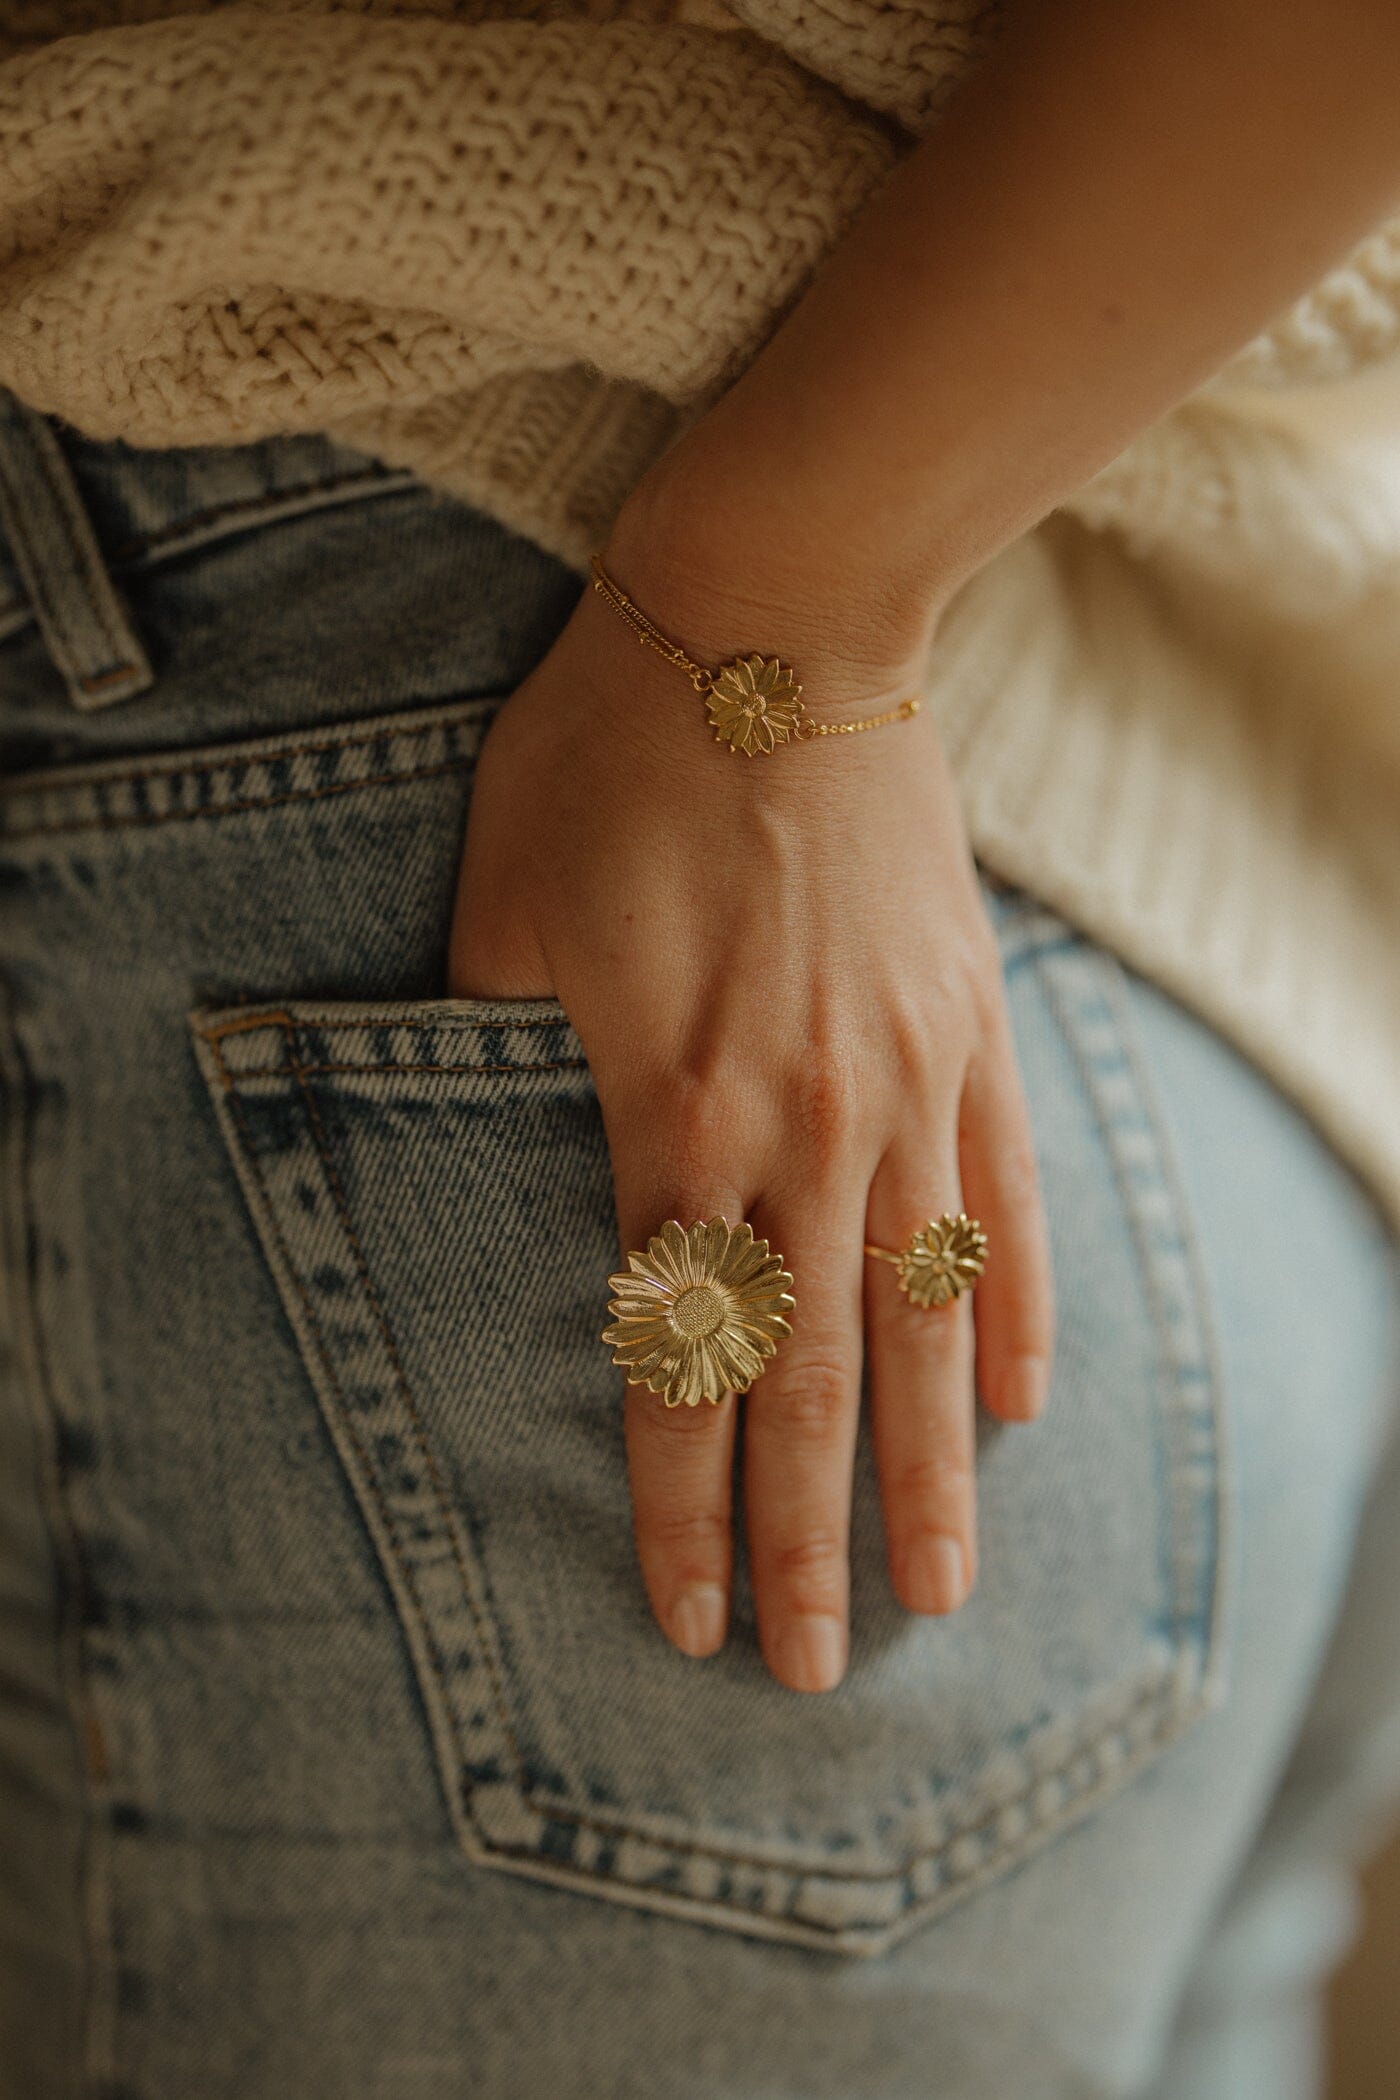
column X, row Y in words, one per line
column 936, row 1575
column 697, row 1619
column 811, row 1653
column 1023, row 1390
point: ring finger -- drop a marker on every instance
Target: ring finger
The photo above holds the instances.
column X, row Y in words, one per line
column 922, row 1395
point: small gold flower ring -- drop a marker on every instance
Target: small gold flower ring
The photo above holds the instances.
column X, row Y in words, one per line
column 699, row 1312
column 943, row 1259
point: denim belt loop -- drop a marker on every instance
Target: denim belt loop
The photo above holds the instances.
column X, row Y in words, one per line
column 86, row 628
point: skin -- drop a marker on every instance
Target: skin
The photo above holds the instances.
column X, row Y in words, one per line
column 781, row 969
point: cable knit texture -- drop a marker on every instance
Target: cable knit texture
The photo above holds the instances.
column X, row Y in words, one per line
column 519, row 245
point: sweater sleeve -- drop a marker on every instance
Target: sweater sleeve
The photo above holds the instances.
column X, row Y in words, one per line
column 387, row 223
column 219, row 227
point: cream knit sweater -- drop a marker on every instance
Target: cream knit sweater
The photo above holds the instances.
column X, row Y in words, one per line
column 517, row 246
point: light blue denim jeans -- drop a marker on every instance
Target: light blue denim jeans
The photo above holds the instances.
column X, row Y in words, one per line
column 340, row 1758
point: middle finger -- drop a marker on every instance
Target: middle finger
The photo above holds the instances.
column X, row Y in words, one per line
column 799, row 1445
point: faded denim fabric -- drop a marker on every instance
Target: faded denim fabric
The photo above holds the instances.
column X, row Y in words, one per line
column 339, row 1756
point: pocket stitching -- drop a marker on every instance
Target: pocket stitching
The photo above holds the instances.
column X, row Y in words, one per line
column 368, row 1472
column 544, row 1064
column 200, row 761
column 1211, row 1370
column 148, row 819
column 242, row 777
column 1190, row 1624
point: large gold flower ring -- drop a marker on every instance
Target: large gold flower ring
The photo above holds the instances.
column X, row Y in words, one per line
column 943, row 1259
column 700, row 1312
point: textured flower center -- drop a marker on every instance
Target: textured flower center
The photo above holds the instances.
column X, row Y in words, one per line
column 698, row 1311
column 755, row 704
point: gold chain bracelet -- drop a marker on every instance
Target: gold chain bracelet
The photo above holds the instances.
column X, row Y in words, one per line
column 754, row 702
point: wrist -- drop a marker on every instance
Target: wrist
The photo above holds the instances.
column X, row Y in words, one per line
column 722, row 577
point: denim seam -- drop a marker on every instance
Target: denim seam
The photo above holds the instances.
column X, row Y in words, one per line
column 149, row 820
column 544, row 1064
column 120, row 667
column 386, row 1515
column 426, row 1451
column 38, row 584
column 98, row 1979
column 149, row 549
column 881, row 1877
column 885, row 1877
column 1108, row 1123
column 191, row 768
column 1185, row 1623
column 131, row 551
column 361, row 1019
column 1194, row 1258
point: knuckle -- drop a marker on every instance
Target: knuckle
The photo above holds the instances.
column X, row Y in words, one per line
column 935, row 1480
column 986, row 985
column 1031, row 1330
column 809, row 1570
column 687, row 1538
column 825, row 1101
column 912, row 1035
column 1017, row 1170
column 818, row 1392
column 943, row 1336
column 946, row 1330
column 659, row 1422
column 700, row 1116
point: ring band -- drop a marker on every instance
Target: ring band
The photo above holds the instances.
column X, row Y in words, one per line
column 700, row 1312
column 943, row 1259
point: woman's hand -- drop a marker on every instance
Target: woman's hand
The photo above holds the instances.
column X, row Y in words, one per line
column 791, row 1001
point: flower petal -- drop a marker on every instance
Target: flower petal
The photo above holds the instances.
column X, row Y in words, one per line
column 745, row 1260
column 739, row 1363
column 686, row 1380
column 668, row 1252
column 640, row 1273
column 718, row 1240
column 712, row 1381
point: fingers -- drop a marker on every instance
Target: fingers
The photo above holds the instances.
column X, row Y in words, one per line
column 799, row 1442
column 1015, row 1319
column 922, row 1401
column 680, row 1459
column 800, row 1416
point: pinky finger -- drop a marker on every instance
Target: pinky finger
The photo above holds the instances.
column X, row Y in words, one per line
column 1014, row 1301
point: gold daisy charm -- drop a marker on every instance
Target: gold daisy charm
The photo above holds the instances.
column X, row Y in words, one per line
column 754, row 704
column 700, row 1312
column 943, row 1259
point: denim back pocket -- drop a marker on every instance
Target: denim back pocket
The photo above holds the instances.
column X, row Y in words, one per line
column 431, row 1187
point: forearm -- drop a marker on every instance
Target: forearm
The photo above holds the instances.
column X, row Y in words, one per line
column 1117, row 201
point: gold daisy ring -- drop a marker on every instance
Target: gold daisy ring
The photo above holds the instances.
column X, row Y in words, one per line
column 700, row 1312
column 943, row 1259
